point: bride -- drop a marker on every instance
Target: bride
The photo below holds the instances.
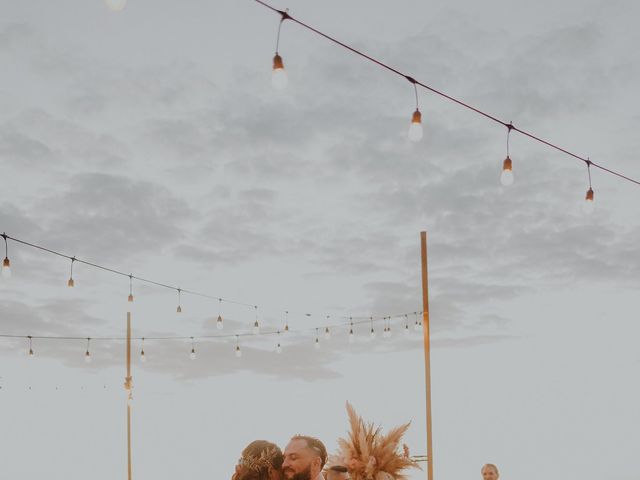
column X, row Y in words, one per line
column 260, row 460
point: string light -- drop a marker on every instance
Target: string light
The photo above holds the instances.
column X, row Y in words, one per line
column 219, row 323
column 406, row 324
column 286, row 321
column 130, row 297
column 317, row 343
column 588, row 206
column 143, row 357
column 442, row 94
column 352, row 337
column 71, row 283
column 192, row 355
column 506, row 177
column 178, row 290
column 238, row 351
column 6, row 263
column 373, row 332
column 256, row 325
column 415, row 129
column 279, row 78
column 327, row 333
column 278, row 346
column 87, row 355
column 417, row 326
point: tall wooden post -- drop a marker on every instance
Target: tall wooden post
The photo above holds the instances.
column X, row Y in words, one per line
column 128, row 385
column 427, row 351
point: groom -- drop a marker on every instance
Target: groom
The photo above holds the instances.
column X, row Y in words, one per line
column 304, row 458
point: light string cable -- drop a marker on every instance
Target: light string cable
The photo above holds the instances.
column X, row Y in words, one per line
column 180, row 291
column 350, row 324
column 493, row 118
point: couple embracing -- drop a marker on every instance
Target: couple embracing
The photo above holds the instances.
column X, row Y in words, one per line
column 304, row 458
column 365, row 454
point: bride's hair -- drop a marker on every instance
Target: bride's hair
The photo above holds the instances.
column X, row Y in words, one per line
column 257, row 460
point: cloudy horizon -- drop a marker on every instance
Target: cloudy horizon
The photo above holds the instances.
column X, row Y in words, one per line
column 151, row 141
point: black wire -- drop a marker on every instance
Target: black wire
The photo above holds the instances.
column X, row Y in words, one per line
column 111, row 270
column 444, row 95
column 177, row 289
column 182, row 337
column 284, row 17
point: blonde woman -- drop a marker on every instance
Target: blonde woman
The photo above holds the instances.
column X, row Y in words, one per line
column 489, row 472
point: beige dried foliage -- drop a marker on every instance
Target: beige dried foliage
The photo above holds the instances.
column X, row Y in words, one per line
column 370, row 455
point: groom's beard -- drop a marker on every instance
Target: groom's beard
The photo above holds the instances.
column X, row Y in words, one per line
column 303, row 475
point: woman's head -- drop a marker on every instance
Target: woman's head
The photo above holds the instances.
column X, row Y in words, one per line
column 260, row 460
column 489, row 472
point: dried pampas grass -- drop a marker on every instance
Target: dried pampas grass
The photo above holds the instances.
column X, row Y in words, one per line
column 370, row 455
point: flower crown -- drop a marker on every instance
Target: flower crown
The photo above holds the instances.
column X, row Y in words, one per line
column 265, row 460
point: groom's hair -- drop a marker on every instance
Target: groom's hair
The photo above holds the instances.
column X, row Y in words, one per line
column 315, row 445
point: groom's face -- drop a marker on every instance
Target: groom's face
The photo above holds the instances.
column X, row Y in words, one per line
column 300, row 462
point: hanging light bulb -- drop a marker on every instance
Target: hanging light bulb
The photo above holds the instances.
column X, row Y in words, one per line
column 317, row 343
column 219, row 323
column 286, row 321
column 6, row 268
column 327, row 333
column 406, row 324
column 179, row 309
column 256, row 325
column 87, row 355
column 278, row 346
column 115, row 5
column 192, row 355
column 352, row 337
column 143, row 358
column 130, row 297
column 238, row 351
column 588, row 205
column 6, row 264
column 279, row 78
column 372, row 333
column 417, row 325
column 30, row 347
column 71, row 283
column 415, row 129
column 506, row 177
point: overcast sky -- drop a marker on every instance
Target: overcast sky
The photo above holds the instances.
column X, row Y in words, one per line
column 150, row 140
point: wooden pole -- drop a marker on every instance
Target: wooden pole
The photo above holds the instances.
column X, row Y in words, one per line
column 427, row 351
column 128, row 385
